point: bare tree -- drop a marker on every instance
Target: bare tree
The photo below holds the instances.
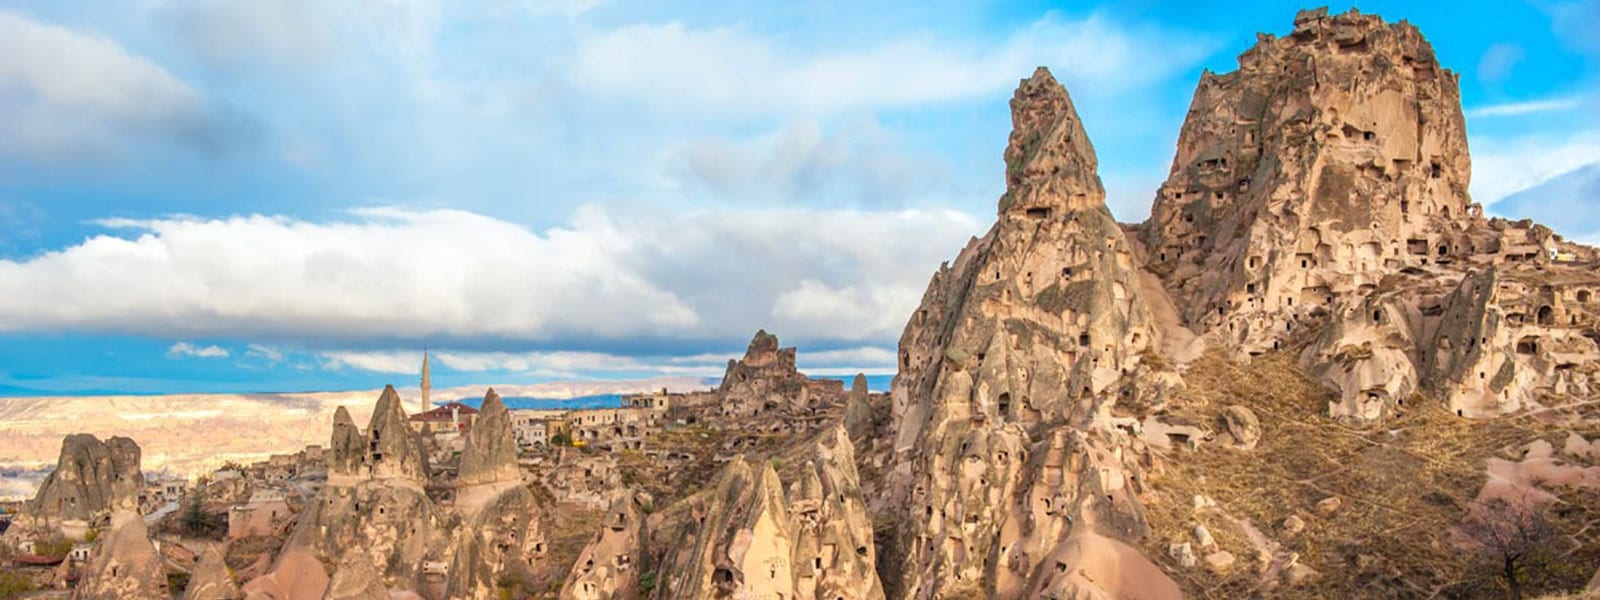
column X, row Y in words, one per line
column 1512, row 535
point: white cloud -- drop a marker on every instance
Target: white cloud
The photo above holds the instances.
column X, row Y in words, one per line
column 267, row 353
column 611, row 275
column 1513, row 109
column 1498, row 62
column 857, row 163
column 185, row 349
column 677, row 67
column 1504, row 166
column 66, row 93
column 856, row 312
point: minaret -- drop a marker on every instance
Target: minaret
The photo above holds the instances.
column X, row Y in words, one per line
column 427, row 385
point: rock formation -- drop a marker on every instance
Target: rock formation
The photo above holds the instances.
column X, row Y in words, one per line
column 376, row 525
column 834, row 554
column 1007, row 462
column 395, row 449
column 211, row 580
column 500, row 530
column 377, row 511
column 1323, row 187
column 859, row 419
column 751, row 539
column 608, row 568
column 92, row 479
column 764, row 381
column 742, row 542
column 491, row 454
column 124, row 564
column 347, row 451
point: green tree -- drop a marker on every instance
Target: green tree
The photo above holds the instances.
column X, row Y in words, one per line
column 196, row 521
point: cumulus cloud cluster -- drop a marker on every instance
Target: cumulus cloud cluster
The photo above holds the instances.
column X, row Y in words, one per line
column 608, row 276
column 66, row 92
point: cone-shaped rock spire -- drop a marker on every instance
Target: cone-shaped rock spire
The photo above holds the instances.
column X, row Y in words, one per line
column 396, row 451
column 1039, row 325
column 491, row 454
column 210, row 580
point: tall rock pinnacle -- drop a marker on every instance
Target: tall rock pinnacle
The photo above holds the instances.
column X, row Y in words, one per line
column 1023, row 346
column 491, row 453
column 396, row 451
column 1050, row 164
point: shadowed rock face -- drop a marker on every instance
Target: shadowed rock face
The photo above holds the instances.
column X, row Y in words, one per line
column 92, row 478
column 1009, row 372
column 347, row 451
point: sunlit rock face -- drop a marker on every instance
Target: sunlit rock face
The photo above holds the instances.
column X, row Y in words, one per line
column 497, row 523
column 373, row 528
column 124, row 564
column 1321, row 189
column 1012, row 371
column 750, row 537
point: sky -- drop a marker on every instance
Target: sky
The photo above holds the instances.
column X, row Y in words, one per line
column 251, row 195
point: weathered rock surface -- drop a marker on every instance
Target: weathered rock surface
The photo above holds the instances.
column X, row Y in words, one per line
column 347, row 451
column 395, row 449
column 608, row 568
column 211, row 579
column 375, row 524
column 752, row 539
column 491, row 453
column 124, row 564
column 1007, row 459
column 92, row 479
column 1323, row 187
column 763, row 381
column 499, row 532
column 858, row 414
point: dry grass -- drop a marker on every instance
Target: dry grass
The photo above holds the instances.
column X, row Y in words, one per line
column 1402, row 487
column 570, row 532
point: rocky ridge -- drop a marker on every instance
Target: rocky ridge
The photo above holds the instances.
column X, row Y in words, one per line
column 1026, row 354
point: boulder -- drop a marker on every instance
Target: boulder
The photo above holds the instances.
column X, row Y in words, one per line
column 1241, row 425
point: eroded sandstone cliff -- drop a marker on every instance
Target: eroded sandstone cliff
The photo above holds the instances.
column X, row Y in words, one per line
column 1007, row 458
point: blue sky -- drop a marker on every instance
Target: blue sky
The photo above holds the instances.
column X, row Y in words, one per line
column 262, row 196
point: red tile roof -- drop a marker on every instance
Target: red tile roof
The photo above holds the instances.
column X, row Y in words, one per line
column 34, row 560
column 443, row 412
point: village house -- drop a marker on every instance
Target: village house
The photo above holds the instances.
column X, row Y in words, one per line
column 533, row 428
column 261, row 515
column 450, row 417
